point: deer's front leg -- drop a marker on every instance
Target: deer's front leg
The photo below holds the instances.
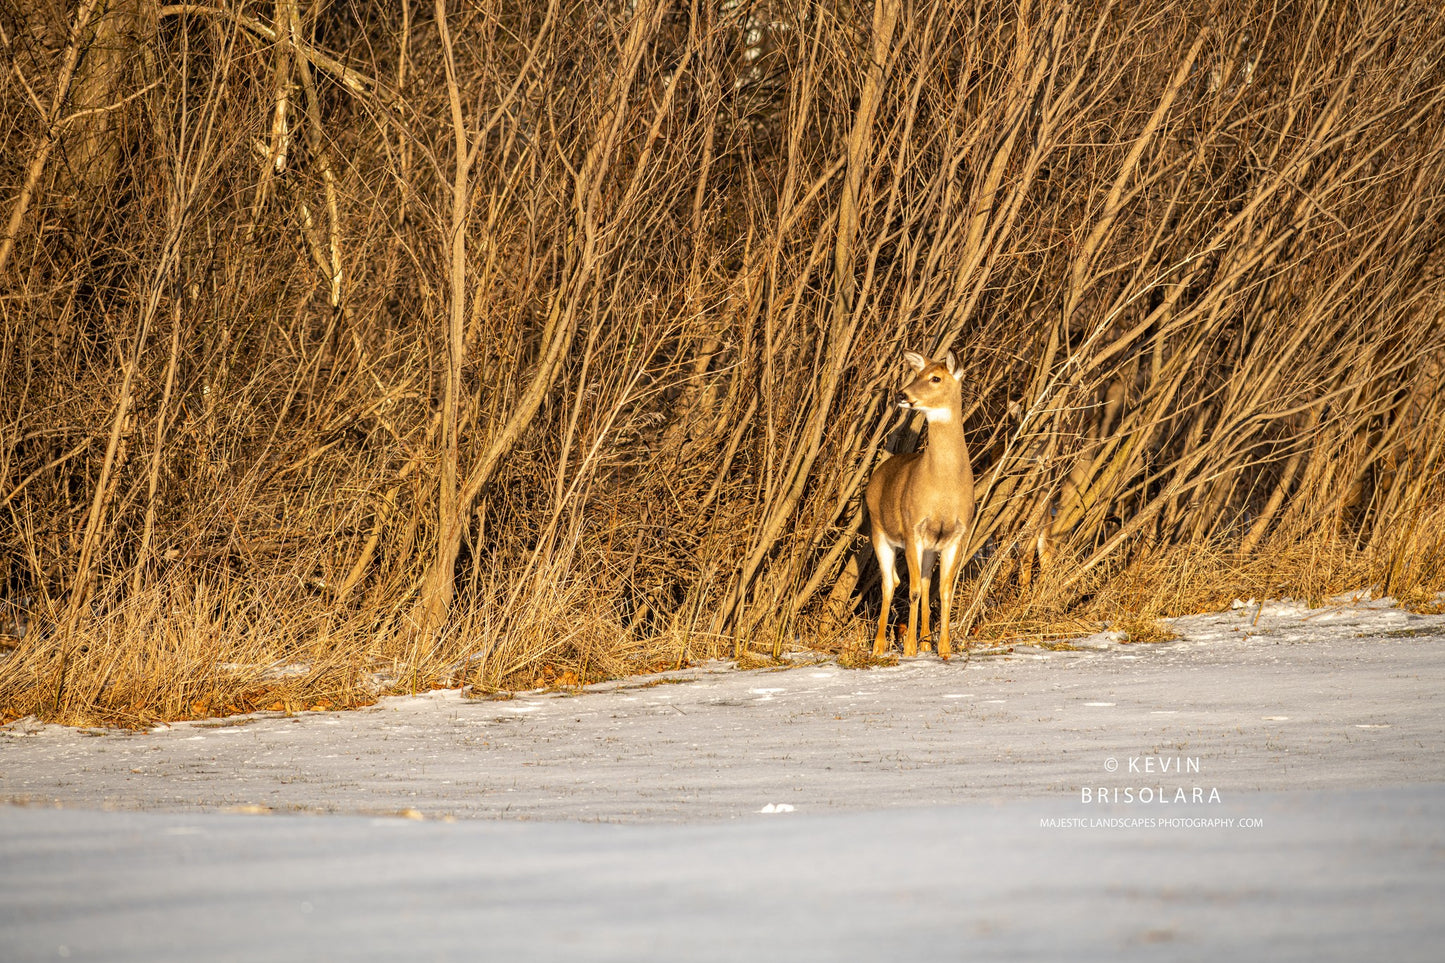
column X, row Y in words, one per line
column 947, row 574
column 925, row 594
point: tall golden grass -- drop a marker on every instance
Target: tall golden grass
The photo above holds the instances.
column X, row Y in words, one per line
column 363, row 348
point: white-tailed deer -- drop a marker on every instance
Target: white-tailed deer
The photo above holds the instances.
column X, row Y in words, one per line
column 923, row 503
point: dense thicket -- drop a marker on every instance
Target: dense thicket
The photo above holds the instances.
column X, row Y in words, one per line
column 358, row 344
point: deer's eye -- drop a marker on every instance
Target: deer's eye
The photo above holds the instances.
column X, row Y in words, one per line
column 935, row 379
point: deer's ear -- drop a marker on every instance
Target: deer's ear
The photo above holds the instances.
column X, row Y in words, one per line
column 953, row 367
column 915, row 360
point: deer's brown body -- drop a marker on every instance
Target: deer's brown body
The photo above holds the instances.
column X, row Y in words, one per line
column 923, row 503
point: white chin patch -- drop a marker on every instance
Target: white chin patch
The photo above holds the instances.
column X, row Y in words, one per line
column 937, row 414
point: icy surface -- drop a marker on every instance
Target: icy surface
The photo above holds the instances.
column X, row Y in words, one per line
column 1350, row 875
column 1271, row 785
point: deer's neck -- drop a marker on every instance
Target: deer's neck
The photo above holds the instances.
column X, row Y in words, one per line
column 946, row 454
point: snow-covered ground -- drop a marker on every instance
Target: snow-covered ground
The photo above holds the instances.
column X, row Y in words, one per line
column 1269, row 785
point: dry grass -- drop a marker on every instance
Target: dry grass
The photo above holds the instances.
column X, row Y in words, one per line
column 360, row 349
column 1144, row 631
column 1423, row 602
column 861, row 657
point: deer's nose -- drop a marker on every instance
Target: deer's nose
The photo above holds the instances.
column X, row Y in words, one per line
column 901, row 400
